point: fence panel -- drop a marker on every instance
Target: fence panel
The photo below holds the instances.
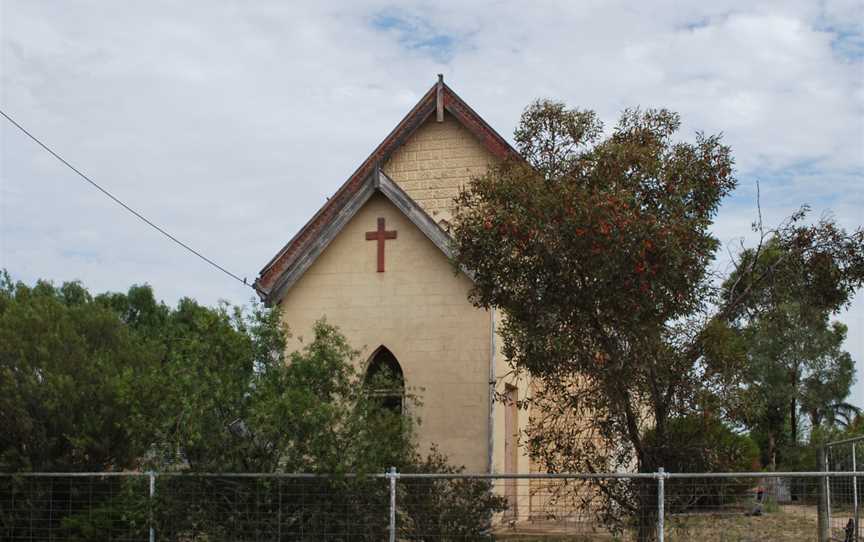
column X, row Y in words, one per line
column 202, row 507
column 427, row 507
column 777, row 508
column 72, row 507
column 846, row 456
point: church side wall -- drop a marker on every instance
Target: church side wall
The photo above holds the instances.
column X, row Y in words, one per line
column 418, row 309
column 438, row 160
column 503, row 379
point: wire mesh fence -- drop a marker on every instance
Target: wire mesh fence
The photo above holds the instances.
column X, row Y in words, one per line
column 759, row 507
column 253, row 507
column 430, row 507
column 844, row 456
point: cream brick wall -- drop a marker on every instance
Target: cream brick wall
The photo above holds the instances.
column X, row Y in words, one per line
column 419, row 310
column 503, row 377
column 438, row 160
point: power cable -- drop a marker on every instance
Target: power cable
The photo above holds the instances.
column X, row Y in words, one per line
column 117, row 200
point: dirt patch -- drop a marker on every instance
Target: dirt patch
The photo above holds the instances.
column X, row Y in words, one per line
column 789, row 524
column 795, row 525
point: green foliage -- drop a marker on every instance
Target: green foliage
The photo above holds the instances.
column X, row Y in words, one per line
column 597, row 269
column 459, row 508
column 548, row 136
column 620, row 240
column 598, row 252
column 796, row 364
column 128, row 510
column 121, row 381
column 64, row 358
column 263, row 412
column 705, row 444
column 310, row 413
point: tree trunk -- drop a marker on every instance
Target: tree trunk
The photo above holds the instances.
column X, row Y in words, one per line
column 793, row 408
column 772, row 452
column 793, row 420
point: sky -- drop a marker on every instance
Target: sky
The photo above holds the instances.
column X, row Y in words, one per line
column 229, row 123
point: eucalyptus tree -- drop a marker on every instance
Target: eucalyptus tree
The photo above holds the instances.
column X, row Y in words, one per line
column 598, row 251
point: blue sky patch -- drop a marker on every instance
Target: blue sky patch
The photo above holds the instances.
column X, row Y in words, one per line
column 809, row 181
column 847, row 40
column 848, row 45
column 417, row 34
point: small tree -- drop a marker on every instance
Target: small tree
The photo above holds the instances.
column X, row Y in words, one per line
column 121, row 381
column 703, row 443
column 246, row 405
column 598, row 251
column 63, row 359
column 796, row 364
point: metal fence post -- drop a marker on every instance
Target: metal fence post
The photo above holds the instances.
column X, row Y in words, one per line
column 828, row 488
column 661, row 497
column 855, row 490
column 823, row 516
column 152, row 476
column 392, row 476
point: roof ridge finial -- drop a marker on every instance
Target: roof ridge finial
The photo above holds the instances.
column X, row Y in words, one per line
column 439, row 99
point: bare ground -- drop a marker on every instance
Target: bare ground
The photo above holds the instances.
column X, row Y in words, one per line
column 788, row 524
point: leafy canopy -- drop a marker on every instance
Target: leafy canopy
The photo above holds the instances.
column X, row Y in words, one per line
column 796, row 364
column 598, row 251
column 120, row 381
column 65, row 360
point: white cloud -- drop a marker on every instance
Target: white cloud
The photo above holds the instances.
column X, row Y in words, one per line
column 229, row 123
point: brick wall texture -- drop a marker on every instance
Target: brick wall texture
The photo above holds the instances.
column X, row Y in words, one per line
column 419, row 310
column 436, row 162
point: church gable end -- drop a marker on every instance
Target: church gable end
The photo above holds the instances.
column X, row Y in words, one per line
column 430, row 154
column 375, row 260
column 377, row 183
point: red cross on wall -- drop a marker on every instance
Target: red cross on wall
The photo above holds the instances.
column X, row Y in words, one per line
column 380, row 235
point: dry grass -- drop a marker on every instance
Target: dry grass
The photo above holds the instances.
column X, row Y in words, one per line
column 794, row 524
column 789, row 524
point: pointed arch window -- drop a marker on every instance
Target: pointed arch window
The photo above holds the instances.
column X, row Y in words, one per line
column 385, row 380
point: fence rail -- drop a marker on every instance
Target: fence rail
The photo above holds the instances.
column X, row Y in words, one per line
column 393, row 506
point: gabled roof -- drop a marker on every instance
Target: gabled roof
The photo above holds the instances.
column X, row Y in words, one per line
column 377, row 181
column 290, row 262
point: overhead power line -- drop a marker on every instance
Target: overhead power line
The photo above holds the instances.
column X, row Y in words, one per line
column 119, row 202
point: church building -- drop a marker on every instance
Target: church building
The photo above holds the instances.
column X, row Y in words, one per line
column 375, row 261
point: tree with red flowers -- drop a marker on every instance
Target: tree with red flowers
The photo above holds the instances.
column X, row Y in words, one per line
column 597, row 249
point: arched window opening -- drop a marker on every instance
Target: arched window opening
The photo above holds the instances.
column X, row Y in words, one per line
column 385, row 380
